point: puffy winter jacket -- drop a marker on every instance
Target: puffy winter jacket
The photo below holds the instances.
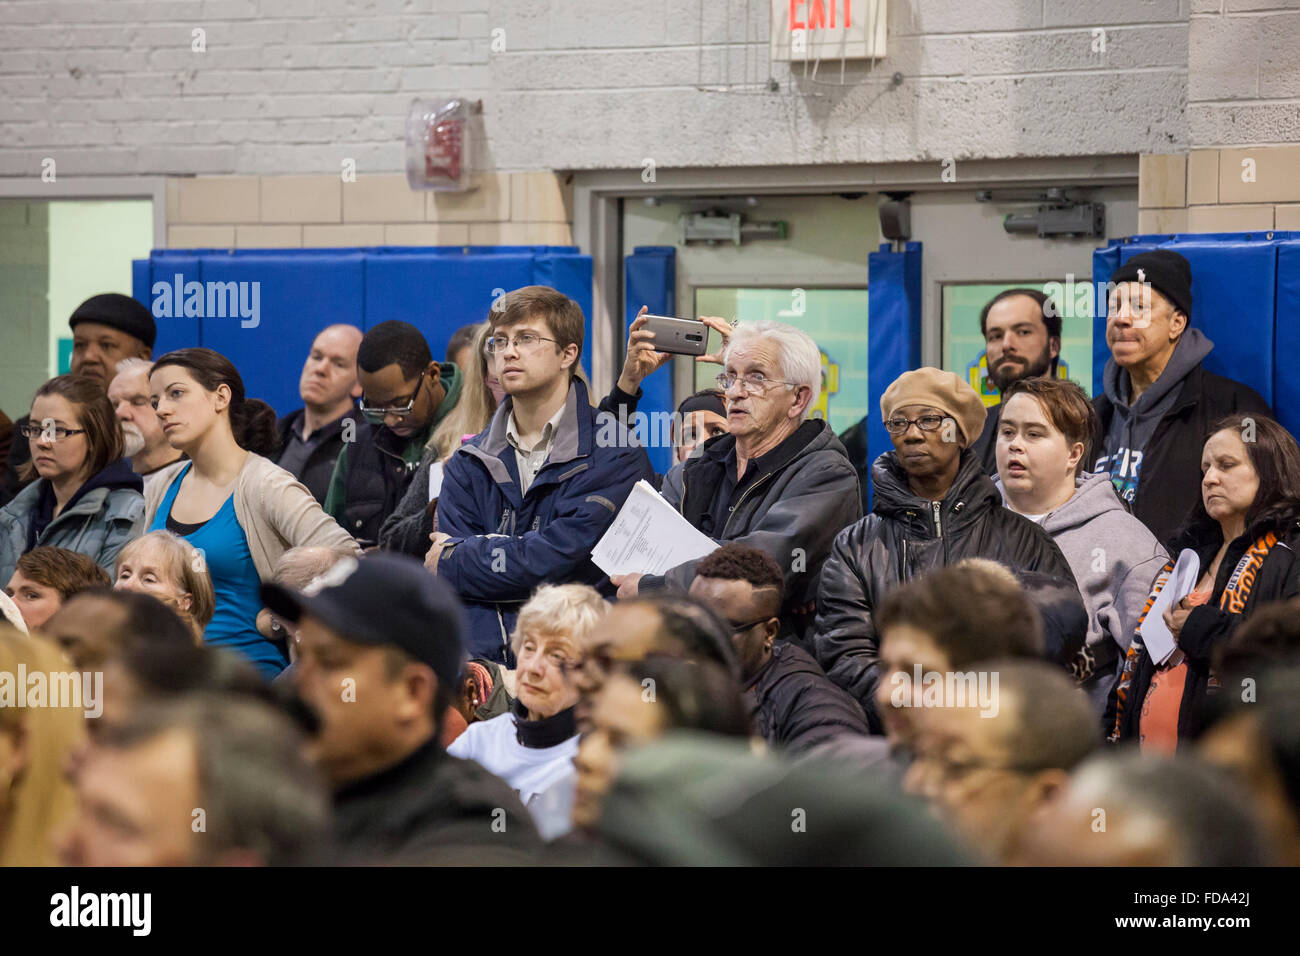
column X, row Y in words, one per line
column 904, row 537
column 505, row 544
column 796, row 706
column 105, row 514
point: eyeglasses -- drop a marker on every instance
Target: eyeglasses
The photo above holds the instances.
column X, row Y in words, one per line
column 376, row 415
column 751, row 382
column 738, row 628
column 927, row 423
column 524, row 342
column 49, row 433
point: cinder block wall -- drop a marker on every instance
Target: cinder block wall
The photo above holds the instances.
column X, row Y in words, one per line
column 293, row 87
column 1243, row 106
column 249, row 212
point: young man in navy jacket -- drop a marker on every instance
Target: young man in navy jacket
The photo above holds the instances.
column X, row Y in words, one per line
column 524, row 503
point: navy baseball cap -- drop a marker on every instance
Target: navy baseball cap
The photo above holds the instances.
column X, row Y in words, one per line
column 383, row 599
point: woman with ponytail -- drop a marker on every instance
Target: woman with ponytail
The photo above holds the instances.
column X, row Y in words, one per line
column 238, row 509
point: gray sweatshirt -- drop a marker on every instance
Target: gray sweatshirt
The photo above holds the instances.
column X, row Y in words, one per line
column 1132, row 426
column 1114, row 559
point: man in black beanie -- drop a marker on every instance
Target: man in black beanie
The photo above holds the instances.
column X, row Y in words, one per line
column 1158, row 401
column 106, row 328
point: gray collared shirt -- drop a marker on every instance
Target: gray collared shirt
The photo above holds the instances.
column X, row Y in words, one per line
column 531, row 460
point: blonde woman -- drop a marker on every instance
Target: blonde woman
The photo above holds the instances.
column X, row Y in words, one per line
column 35, row 742
column 532, row 747
column 168, row 567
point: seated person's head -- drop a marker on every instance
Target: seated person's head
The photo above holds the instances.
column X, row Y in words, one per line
column 666, row 623
column 36, row 742
column 745, row 586
column 95, row 624
column 200, row 780
column 146, row 673
column 1254, row 734
column 296, row 569
column 45, row 577
column 775, row 376
column 642, row 700
column 379, row 644
column 73, row 432
column 931, row 416
column 699, row 418
column 1043, row 442
column 536, row 339
column 548, row 639
column 400, row 387
column 460, row 347
column 997, row 742
column 945, row 621
column 171, row 569
column 1133, row 809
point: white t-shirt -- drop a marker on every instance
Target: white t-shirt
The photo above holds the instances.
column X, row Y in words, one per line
column 543, row 777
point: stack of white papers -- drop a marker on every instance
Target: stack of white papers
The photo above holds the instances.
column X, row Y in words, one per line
column 1156, row 636
column 649, row 536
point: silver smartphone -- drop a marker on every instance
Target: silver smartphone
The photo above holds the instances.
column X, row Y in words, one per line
column 678, row 336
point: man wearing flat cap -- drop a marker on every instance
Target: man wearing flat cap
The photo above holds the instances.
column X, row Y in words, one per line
column 379, row 653
column 106, row 329
column 933, row 506
column 1158, row 401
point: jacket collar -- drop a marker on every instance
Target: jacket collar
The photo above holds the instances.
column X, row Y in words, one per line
column 572, row 438
column 971, row 495
column 415, row 766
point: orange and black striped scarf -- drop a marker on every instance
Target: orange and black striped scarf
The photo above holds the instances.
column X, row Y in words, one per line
column 1233, row 600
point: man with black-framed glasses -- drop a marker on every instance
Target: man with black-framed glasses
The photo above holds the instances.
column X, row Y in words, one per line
column 404, row 395
column 795, row 706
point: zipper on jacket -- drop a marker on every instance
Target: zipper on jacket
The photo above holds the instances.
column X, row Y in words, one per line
column 938, row 524
column 732, row 510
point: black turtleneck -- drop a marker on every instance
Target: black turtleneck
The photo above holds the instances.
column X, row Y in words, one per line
column 547, row 732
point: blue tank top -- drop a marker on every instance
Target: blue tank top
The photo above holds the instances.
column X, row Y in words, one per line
column 234, row 579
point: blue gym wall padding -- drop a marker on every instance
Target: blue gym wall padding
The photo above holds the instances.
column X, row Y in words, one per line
column 650, row 279
column 436, row 289
column 893, row 330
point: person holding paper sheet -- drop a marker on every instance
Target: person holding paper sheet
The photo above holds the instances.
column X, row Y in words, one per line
column 1246, row 533
column 1042, row 439
column 779, row 482
column 524, row 502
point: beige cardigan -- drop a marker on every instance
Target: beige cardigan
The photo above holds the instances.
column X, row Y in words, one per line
column 276, row 511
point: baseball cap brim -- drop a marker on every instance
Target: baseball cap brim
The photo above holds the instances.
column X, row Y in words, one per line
column 335, row 614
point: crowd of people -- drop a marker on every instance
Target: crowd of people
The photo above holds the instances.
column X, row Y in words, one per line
column 371, row 630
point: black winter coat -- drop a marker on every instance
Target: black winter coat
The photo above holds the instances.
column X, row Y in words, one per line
column 796, row 706
column 316, row 470
column 1170, row 483
column 1208, row 627
column 903, row 538
column 432, row 808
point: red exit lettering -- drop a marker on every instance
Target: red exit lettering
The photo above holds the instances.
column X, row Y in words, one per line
column 817, row 10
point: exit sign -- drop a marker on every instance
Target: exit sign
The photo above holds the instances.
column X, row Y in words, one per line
column 828, row 29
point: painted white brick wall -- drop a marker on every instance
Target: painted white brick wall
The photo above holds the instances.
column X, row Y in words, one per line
column 294, row 86
column 1245, row 90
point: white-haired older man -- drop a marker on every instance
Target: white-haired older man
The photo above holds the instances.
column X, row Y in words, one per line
column 779, row 482
column 145, row 443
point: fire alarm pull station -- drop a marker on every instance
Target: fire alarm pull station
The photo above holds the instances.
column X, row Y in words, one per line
column 439, row 145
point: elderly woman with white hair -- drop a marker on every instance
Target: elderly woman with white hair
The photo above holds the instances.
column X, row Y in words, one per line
column 532, row 747
column 780, row 481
